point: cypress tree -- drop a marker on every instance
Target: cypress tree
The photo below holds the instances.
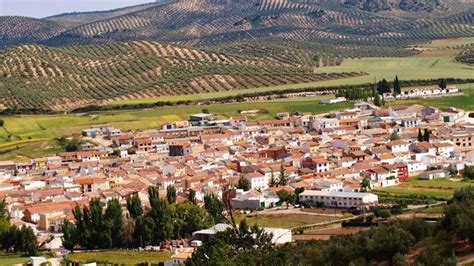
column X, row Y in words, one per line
column 426, row 135
column 420, row 135
column 397, row 89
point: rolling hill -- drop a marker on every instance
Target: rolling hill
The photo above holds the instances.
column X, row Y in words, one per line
column 178, row 47
column 211, row 22
column 204, row 23
column 17, row 30
column 37, row 77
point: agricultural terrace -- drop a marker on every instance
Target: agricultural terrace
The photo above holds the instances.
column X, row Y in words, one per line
column 436, row 60
column 34, row 76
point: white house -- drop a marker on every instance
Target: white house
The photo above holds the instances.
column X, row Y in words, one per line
column 321, row 123
column 415, row 167
column 178, row 259
column 398, row 146
column 257, row 181
column 328, row 185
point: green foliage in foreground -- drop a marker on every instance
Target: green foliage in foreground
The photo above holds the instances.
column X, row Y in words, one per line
column 387, row 243
column 13, row 239
column 95, row 228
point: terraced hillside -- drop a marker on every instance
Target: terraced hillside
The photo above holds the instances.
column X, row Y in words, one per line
column 79, row 18
column 16, row 30
column 305, row 54
column 467, row 56
column 34, row 76
column 212, row 22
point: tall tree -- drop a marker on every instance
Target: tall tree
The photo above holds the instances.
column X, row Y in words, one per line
column 100, row 235
column 284, row 179
column 171, row 194
column 69, row 238
column 426, row 135
column 28, row 241
column 298, row 191
column 163, row 219
column 420, row 135
column 113, row 221
column 214, row 207
column 4, row 214
column 394, row 136
column 397, row 89
column 377, row 100
column 286, row 197
column 273, row 182
column 192, row 196
column 134, row 206
column 443, row 84
column 144, row 230
column 383, row 87
column 243, row 183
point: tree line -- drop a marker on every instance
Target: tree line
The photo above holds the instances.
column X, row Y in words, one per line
column 15, row 110
column 14, row 239
column 99, row 227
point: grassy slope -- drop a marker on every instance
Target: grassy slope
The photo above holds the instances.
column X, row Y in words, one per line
column 436, row 61
column 431, row 188
column 120, row 257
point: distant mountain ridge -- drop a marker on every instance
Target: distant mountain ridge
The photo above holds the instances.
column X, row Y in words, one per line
column 213, row 22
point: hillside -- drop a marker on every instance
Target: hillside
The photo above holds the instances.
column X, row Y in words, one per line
column 34, row 76
column 204, row 23
column 17, row 30
column 467, row 56
column 79, row 18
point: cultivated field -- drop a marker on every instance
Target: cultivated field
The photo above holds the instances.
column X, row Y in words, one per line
column 437, row 60
column 287, row 220
column 325, row 234
column 38, row 77
column 120, row 257
column 438, row 188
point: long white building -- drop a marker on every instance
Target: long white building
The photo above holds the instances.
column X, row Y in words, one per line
column 339, row 199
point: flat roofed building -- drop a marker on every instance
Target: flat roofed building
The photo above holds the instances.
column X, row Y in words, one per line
column 339, row 199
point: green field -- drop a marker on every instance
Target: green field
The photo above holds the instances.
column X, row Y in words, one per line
column 284, row 220
column 120, row 257
column 12, row 259
column 442, row 188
